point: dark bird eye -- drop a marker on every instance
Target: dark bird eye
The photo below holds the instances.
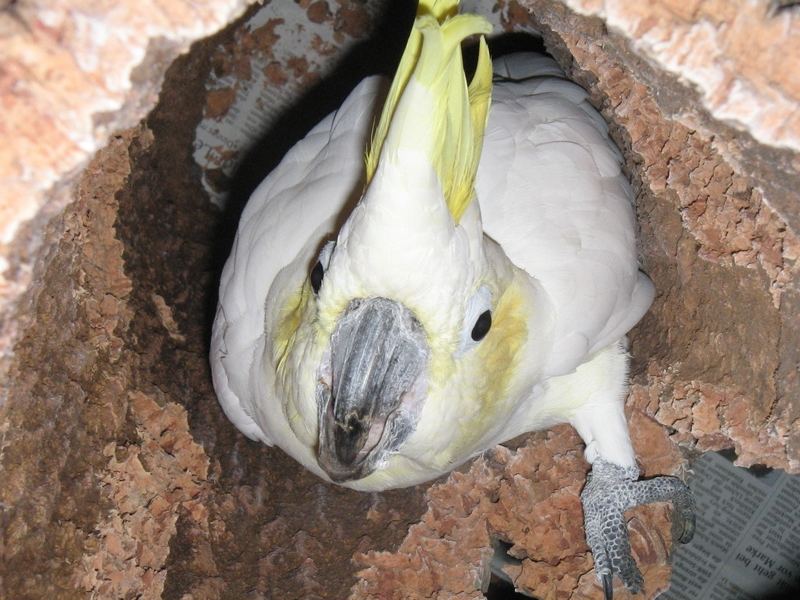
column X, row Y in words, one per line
column 482, row 326
column 316, row 277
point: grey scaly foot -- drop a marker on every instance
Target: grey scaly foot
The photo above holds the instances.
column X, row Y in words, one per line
column 611, row 490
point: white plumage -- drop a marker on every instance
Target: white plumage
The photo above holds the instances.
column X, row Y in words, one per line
column 383, row 320
column 551, row 194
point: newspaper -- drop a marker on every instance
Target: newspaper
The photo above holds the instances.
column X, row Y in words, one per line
column 747, row 542
column 221, row 142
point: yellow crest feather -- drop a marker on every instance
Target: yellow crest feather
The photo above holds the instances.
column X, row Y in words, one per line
column 457, row 113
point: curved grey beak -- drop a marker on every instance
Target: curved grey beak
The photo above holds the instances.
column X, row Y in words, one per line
column 377, row 356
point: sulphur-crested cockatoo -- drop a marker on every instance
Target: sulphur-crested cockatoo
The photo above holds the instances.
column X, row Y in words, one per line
column 385, row 317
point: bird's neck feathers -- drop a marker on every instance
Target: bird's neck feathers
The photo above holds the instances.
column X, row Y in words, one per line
column 432, row 121
column 417, row 225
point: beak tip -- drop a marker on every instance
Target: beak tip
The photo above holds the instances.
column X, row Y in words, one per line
column 377, row 354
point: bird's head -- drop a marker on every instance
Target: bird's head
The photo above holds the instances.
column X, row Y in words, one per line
column 397, row 355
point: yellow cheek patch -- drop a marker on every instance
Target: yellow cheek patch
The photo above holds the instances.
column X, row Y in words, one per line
column 498, row 354
column 484, row 378
column 291, row 316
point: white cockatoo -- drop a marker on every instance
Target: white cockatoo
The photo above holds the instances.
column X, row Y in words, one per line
column 405, row 293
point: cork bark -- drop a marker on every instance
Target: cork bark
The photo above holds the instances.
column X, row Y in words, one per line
column 121, row 476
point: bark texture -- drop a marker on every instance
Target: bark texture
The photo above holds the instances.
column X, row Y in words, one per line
column 120, row 476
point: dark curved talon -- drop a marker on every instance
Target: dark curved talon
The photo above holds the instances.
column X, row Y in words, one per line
column 608, row 588
column 687, row 532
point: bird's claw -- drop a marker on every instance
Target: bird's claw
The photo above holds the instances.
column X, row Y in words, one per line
column 609, row 492
column 683, row 526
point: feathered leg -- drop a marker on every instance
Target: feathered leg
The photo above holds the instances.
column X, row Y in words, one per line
column 613, row 487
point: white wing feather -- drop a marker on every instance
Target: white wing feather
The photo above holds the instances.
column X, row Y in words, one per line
column 553, row 196
column 298, row 201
